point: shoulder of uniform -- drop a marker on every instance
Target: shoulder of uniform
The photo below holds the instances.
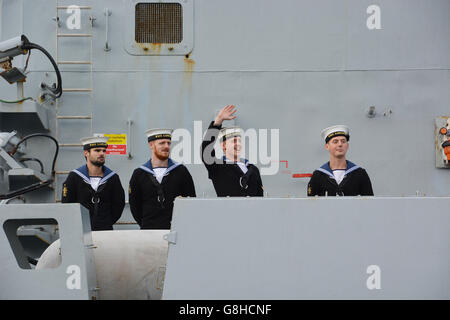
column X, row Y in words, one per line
column 253, row 166
column 137, row 173
column 73, row 175
column 359, row 173
column 363, row 171
column 182, row 167
column 359, row 170
column 138, row 170
column 72, row 178
column 115, row 176
column 318, row 172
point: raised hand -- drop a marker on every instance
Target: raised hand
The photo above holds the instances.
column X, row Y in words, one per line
column 227, row 113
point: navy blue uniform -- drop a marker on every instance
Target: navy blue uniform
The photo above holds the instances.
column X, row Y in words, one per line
column 105, row 205
column 151, row 202
column 227, row 177
column 356, row 182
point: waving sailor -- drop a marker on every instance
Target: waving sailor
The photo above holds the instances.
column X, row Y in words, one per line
column 155, row 185
column 231, row 175
column 339, row 176
column 95, row 186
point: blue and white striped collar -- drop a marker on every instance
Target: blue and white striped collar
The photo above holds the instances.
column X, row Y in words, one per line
column 170, row 166
column 327, row 170
column 244, row 161
column 83, row 172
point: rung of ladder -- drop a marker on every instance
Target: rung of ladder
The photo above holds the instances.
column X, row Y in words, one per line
column 63, row 35
column 74, row 62
column 62, row 172
column 73, row 117
column 78, row 7
column 70, row 145
column 78, row 90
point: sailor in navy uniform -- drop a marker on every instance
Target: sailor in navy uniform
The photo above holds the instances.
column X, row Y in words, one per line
column 231, row 175
column 339, row 177
column 155, row 185
column 95, row 186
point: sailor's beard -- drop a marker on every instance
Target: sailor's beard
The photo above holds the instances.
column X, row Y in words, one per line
column 98, row 163
column 161, row 156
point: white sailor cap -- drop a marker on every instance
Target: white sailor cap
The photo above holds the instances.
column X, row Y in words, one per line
column 334, row 131
column 229, row 132
column 94, row 142
column 158, row 133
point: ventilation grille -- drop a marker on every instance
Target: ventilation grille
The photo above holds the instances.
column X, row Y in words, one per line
column 159, row 23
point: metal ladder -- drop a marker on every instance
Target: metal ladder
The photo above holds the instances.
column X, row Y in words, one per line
column 89, row 90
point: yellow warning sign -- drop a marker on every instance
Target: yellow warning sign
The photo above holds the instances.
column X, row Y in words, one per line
column 117, row 143
column 116, row 138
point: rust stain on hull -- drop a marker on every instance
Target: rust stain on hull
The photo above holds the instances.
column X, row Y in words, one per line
column 189, row 65
column 188, row 69
column 150, row 48
column 156, row 47
column 185, row 95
